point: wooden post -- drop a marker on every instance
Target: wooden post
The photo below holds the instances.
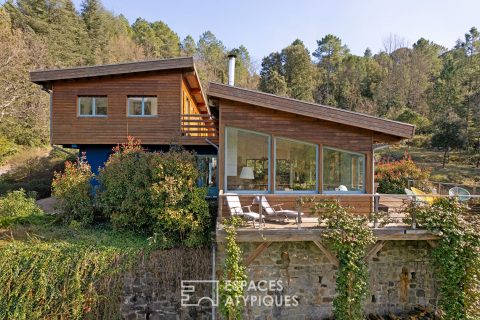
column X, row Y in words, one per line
column 376, row 201
column 220, row 207
column 414, row 218
column 299, row 213
column 260, row 211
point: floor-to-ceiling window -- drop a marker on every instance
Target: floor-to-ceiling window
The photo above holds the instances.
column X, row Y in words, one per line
column 343, row 171
column 295, row 166
column 247, row 156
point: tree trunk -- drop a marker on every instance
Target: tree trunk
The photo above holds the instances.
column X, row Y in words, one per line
column 444, row 157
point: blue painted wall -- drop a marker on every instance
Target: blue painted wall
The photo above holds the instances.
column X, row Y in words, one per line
column 96, row 156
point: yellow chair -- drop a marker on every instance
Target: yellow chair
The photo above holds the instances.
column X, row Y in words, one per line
column 423, row 196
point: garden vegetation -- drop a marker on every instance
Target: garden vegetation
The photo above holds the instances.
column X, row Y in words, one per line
column 456, row 257
column 348, row 236
column 70, row 265
column 392, row 176
column 234, row 277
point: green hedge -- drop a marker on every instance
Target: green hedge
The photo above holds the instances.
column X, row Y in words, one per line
column 57, row 272
column 156, row 194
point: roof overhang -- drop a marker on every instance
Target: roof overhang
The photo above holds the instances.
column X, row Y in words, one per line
column 389, row 128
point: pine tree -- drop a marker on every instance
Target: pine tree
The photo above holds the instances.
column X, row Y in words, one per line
column 157, row 39
column 188, row 46
column 272, row 79
column 298, row 71
column 212, row 58
column 330, row 54
column 94, row 17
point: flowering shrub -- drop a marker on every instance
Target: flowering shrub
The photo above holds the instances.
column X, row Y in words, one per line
column 154, row 194
column 392, row 177
column 74, row 191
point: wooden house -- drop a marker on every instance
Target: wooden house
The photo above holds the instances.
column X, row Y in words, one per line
column 254, row 143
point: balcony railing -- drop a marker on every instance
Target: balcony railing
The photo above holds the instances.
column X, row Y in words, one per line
column 280, row 211
column 198, row 125
column 443, row 187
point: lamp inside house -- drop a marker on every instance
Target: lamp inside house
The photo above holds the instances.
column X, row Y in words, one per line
column 247, row 173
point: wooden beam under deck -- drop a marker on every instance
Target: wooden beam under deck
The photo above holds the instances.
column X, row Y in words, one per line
column 375, row 249
column 261, row 247
column 282, row 235
column 330, row 255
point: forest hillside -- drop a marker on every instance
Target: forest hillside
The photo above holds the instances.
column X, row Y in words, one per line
column 433, row 87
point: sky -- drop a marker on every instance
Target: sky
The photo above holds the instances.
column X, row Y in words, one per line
column 264, row 26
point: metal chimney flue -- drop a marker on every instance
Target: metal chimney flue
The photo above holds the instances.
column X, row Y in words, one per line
column 231, row 69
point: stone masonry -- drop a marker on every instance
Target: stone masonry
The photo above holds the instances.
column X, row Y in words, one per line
column 401, row 277
column 152, row 290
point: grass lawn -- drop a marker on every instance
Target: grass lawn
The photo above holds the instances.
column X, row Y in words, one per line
column 44, row 228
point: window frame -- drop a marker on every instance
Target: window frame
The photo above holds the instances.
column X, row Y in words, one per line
column 363, row 167
column 143, row 115
column 316, row 191
column 225, row 180
column 94, row 107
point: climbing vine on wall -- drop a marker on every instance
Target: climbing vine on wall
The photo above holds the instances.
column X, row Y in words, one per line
column 456, row 257
column 232, row 283
column 348, row 236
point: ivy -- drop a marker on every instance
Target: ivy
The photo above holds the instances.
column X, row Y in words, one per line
column 456, row 257
column 348, row 236
column 61, row 272
column 232, row 283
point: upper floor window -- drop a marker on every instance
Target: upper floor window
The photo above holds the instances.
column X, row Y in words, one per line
column 343, row 171
column 142, row 106
column 92, row 106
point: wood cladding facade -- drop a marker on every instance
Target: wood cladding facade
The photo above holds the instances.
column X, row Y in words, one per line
column 163, row 129
column 288, row 125
column 391, row 130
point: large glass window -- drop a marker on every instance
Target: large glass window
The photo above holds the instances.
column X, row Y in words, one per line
column 142, row 106
column 246, row 165
column 295, row 165
column 343, row 171
column 92, row 106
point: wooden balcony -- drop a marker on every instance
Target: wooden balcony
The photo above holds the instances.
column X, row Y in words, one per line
column 386, row 213
column 195, row 128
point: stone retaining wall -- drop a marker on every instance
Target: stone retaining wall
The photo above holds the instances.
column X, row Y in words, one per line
column 401, row 277
column 152, row 290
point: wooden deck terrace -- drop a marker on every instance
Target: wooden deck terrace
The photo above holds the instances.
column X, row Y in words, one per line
column 386, row 213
